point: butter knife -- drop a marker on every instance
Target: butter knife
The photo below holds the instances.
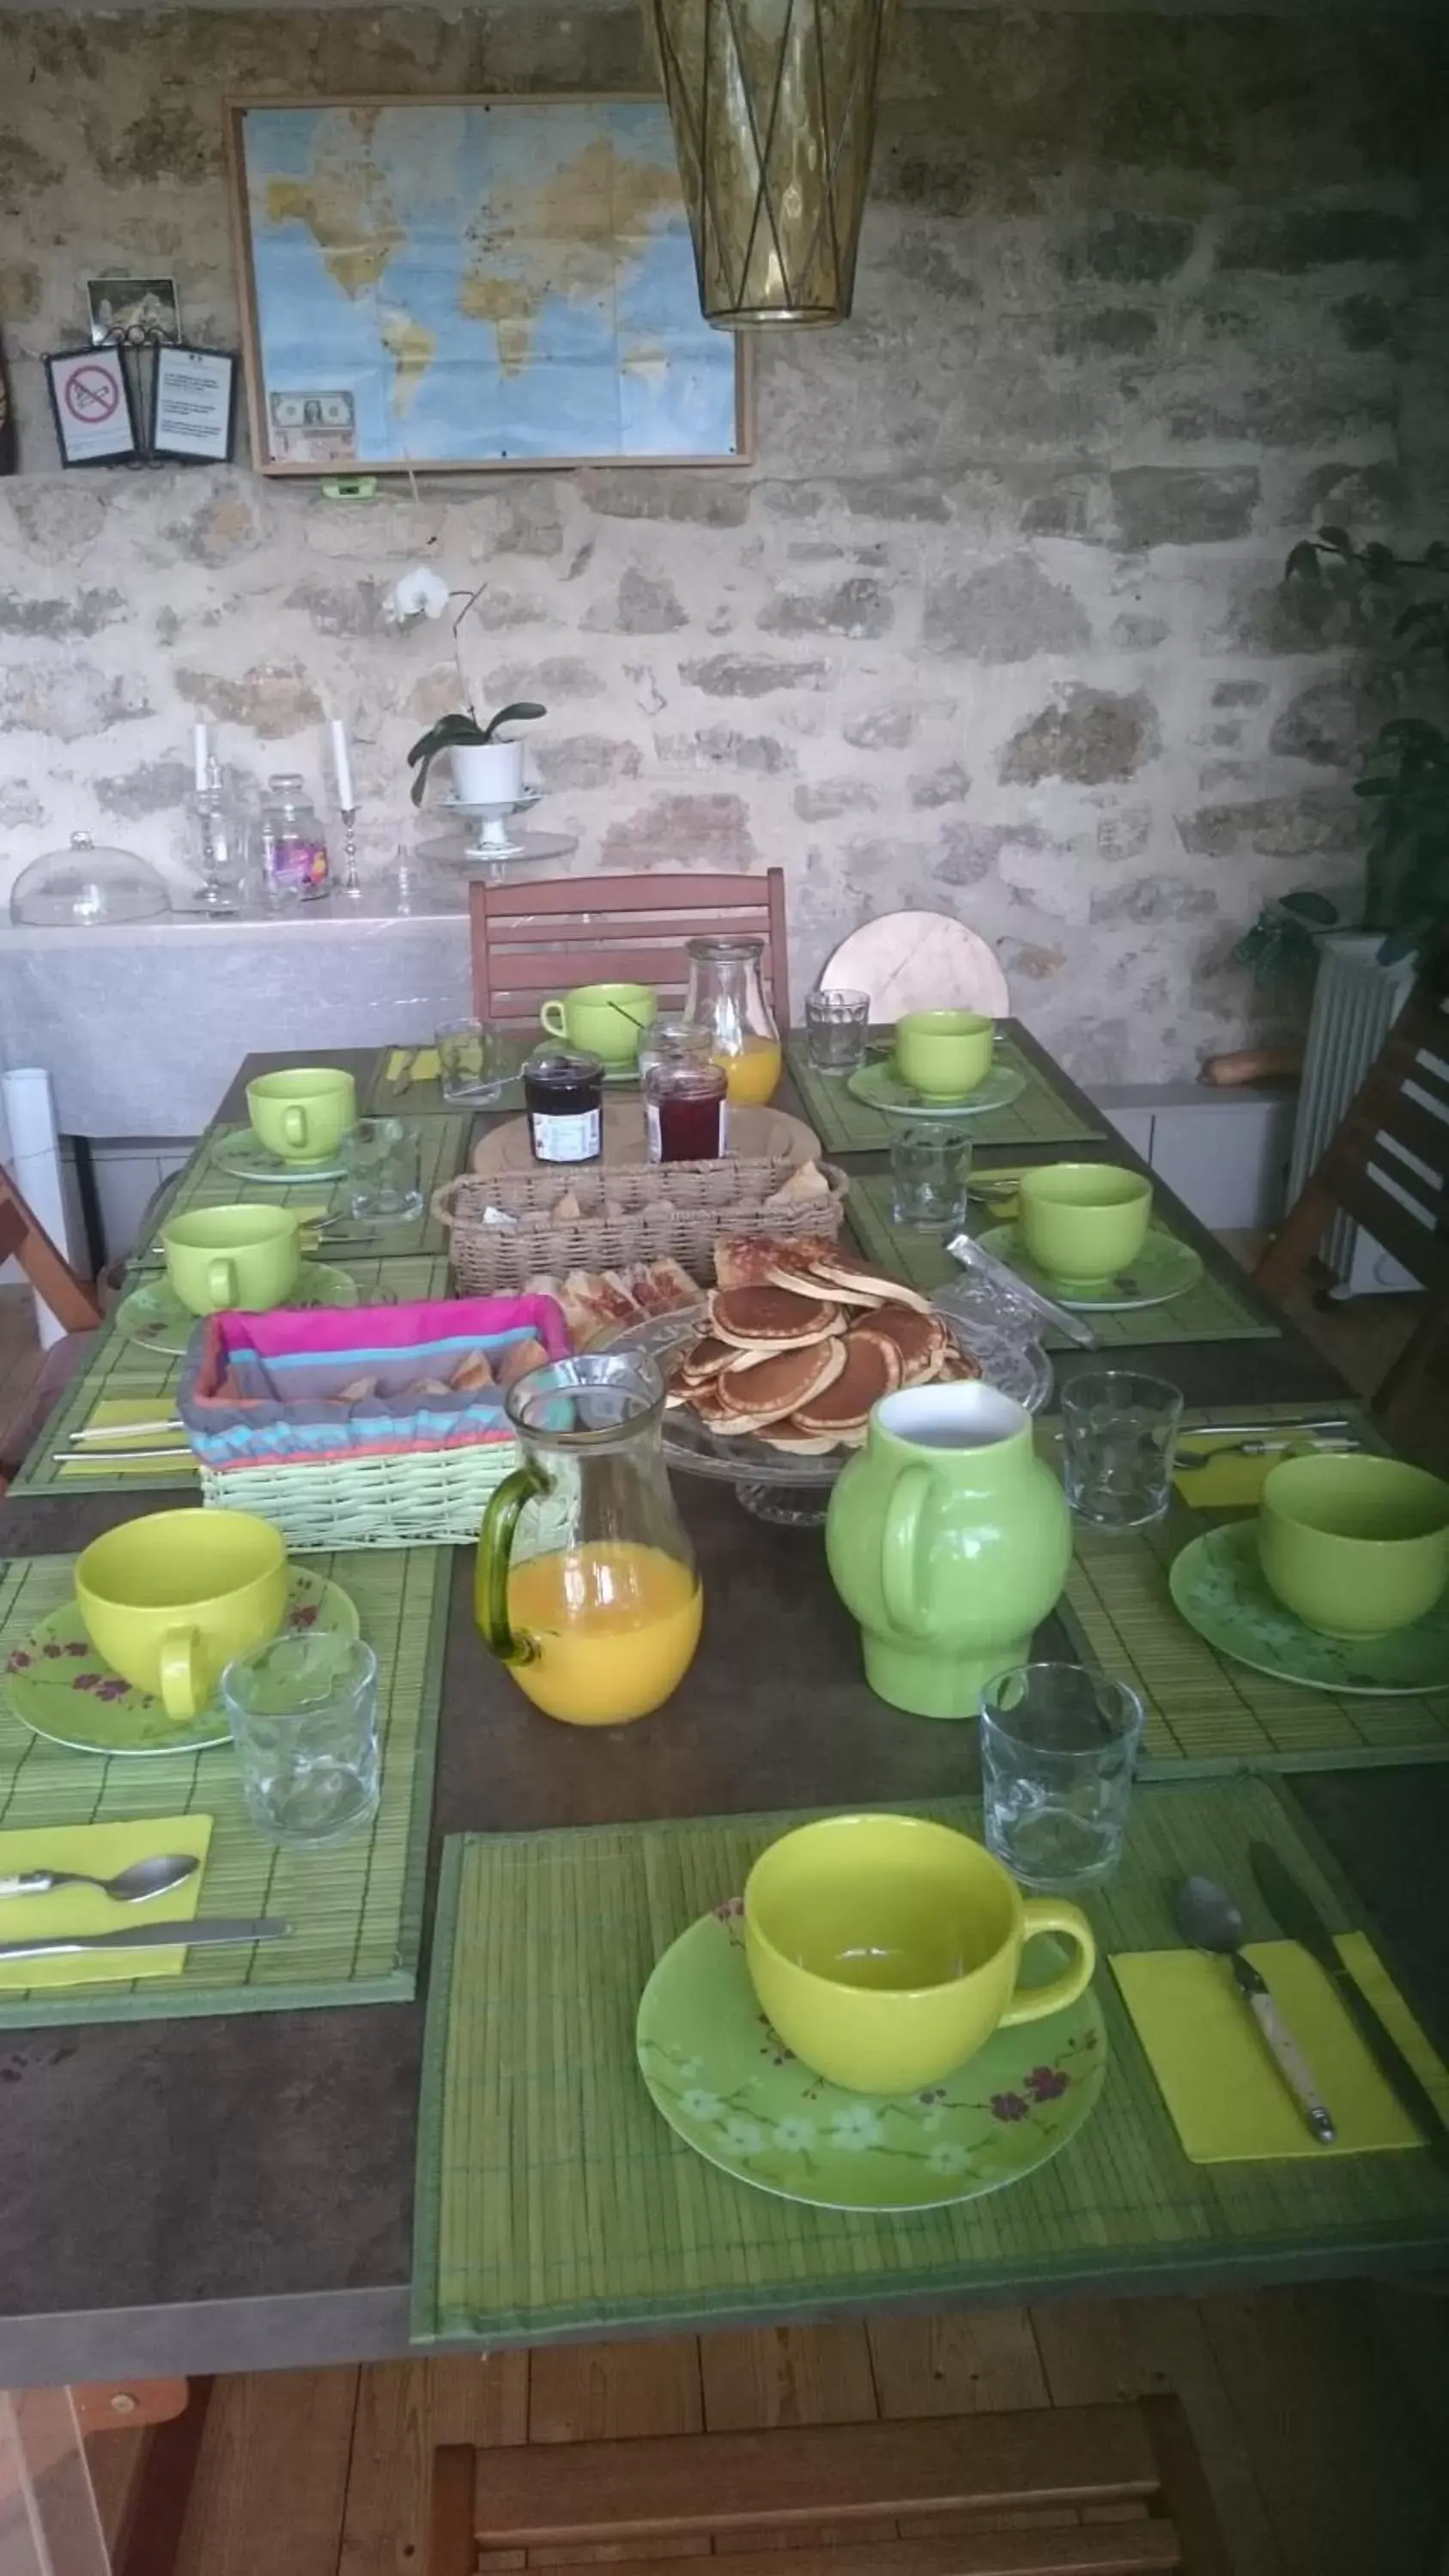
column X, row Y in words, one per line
column 202, row 1935
column 1295, row 1913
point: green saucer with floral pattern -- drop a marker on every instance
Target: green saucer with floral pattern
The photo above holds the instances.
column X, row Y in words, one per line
column 1163, row 1269
column 732, row 2090
column 880, row 1086
column 1219, row 1587
column 60, row 1688
column 154, row 1316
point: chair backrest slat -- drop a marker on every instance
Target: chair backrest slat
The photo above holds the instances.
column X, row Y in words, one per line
column 535, row 939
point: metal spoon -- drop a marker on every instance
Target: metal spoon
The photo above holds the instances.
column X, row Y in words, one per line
column 130, row 1886
column 1207, row 1917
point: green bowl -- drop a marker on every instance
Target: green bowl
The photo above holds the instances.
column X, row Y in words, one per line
column 1354, row 1546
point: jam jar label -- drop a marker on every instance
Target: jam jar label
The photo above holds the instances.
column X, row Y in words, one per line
column 573, row 1138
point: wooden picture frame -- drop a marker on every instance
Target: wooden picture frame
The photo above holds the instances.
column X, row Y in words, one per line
column 332, row 431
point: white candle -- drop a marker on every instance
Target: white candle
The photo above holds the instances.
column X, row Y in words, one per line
column 201, row 754
column 342, row 767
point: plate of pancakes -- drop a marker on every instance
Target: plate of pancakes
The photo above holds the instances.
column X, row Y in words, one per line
column 772, row 1377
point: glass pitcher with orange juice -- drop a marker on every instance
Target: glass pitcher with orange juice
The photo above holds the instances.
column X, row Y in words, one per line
column 586, row 1583
column 727, row 997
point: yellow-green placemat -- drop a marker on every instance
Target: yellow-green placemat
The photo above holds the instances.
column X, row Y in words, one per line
column 120, row 1369
column 356, row 1910
column 1206, row 1713
column 1213, row 1311
column 552, row 2198
column 1038, row 1116
column 443, row 1149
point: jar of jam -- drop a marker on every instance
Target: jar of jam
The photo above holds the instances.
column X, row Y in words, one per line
column 563, row 1094
column 684, row 1093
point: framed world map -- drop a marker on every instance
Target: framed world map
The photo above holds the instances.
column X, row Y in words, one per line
column 473, row 283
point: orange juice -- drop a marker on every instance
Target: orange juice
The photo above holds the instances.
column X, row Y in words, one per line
column 615, row 1624
column 753, row 1073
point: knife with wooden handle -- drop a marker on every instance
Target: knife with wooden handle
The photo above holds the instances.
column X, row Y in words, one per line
column 1295, row 1914
column 201, row 1935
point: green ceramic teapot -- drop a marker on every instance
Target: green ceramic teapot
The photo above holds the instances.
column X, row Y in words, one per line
column 949, row 1541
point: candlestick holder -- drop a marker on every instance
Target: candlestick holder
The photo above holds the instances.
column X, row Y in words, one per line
column 351, row 881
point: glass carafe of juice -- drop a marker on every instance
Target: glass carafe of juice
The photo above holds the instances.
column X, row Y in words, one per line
column 586, row 1584
column 727, row 997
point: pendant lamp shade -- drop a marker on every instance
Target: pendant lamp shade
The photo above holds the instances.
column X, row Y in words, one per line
column 773, row 108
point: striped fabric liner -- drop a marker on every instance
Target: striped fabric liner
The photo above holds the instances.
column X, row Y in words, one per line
column 1205, row 1713
column 356, row 1911
column 203, row 1183
column 119, row 1367
column 1213, row 1311
column 845, row 1125
column 552, row 2199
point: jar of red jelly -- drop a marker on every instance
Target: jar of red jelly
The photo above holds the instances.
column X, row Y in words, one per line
column 563, row 1093
column 684, row 1094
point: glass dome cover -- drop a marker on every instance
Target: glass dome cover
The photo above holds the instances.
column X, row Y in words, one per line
column 86, row 888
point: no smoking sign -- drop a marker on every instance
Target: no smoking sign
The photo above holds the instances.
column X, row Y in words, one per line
column 91, row 394
column 92, row 401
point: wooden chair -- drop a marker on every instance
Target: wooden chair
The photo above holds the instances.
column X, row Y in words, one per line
column 1133, row 2463
column 1388, row 1167
column 537, row 938
column 74, row 1305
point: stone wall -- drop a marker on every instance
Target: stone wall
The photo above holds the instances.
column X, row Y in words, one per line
column 992, row 623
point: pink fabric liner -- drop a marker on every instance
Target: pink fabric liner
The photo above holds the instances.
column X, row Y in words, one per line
column 319, row 1329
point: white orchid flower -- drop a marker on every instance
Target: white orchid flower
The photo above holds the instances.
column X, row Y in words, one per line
column 419, row 593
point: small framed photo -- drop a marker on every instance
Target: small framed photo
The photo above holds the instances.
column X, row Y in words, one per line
column 133, row 308
column 91, row 400
column 193, row 405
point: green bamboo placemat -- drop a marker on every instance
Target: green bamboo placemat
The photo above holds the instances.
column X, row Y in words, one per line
column 1206, row 1713
column 845, row 1125
column 203, row 1183
column 119, row 1367
column 356, row 1911
column 552, row 2198
column 1213, row 1311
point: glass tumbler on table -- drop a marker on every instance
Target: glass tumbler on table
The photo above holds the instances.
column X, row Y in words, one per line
column 469, row 1060
column 836, row 1026
column 1119, row 1434
column 303, row 1716
column 930, row 1173
column 383, row 1161
column 1058, row 1745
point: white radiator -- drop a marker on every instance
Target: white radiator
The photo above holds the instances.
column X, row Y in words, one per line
column 1355, row 1004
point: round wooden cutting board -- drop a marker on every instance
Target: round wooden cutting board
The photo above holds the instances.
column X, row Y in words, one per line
column 752, row 1132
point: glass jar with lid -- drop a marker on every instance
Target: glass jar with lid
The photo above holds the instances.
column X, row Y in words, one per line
column 293, row 843
column 684, row 1093
column 727, row 997
column 563, row 1095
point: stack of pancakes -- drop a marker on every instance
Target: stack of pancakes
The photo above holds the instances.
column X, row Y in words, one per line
column 799, row 1357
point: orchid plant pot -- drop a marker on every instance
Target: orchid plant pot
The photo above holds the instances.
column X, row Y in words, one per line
column 487, row 773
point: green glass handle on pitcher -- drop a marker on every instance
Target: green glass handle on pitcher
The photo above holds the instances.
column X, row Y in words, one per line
column 495, row 1551
column 899, row 1538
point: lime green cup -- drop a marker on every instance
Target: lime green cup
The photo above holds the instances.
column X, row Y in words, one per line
column 169, row 1599
column 1354, row 1546
column 885, row 1949
column 607, row 1019
column 302, row 1116
column 224, row 1257
column 945, row 1054
column 1084, row 1222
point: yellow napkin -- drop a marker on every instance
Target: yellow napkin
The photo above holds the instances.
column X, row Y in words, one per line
column 101, row 1850
column 419, row 1063
column 1228, row 2103
column 1232, row 1482
column 118, row 1414
column 1003, row 1204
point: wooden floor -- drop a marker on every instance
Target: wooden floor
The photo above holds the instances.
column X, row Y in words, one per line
column 1321, row 2417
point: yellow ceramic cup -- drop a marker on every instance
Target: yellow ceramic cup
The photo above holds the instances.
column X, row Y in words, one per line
column 885, row 1949
column 169, row 1599
column 1355, row 1547
column 945, row 1054
column 232, row 1256
column 608, row 1019
column 1084, row 1221
column 303, row 1115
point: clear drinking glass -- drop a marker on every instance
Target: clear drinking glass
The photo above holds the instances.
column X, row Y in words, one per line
column 1119, row 1433
column 930, row 1171
column 383, row 1158
column 835, row 1030
column 303, row 1716
column 469, row 1060
column 1058, row 1745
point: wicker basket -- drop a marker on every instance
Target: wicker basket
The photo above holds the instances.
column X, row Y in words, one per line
column 435, row 1498
column 635, row 1213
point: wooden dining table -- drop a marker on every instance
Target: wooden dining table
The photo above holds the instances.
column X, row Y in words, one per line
column 235, row 2194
